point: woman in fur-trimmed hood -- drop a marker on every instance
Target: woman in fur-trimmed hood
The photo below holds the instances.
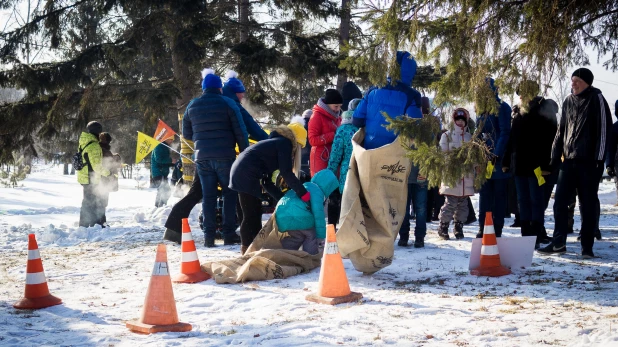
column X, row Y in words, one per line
column 253, row 170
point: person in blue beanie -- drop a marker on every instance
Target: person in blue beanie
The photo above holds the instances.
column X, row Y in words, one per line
column 395, row 99
column 235, row 90
column 216, row 126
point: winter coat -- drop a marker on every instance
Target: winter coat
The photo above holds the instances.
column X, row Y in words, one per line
column 496, row 130
column 342, row 152
column 532, row 135
column 215, row 125
column 160, row 161
column 584, row 127
column 450, row 140
column 111, row 162
column 306, row 153
column 254, row 130
column 395, row 100
column 612, row 143
column 92, row 156
column 292, row 213
column 261, row 160
column 321, row 133
column 349, row 91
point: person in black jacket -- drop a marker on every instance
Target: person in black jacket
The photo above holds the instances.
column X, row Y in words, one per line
column 529, row 148
column 216, row 126
column 582, row 140
column 254, row 169
column 612, row 146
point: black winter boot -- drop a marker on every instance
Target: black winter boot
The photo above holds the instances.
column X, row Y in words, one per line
column 498, row 230
column 525, row 228
column 209, row 242
column 443, row 230
column 232, row 239
column 172, row 235
column 479, row 235
column 458, row 230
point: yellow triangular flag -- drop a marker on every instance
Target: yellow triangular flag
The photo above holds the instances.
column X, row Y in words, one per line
column 145, row 145
column 539, row 176
column 490, row 170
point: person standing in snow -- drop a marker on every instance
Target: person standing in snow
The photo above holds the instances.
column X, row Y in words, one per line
column 612, row 144
column 160, row 163
column 394, row 99
column 495, row 130
column 235, row 90
column 91, row 211
column 253, row 171
column 533, row 130
column 456, row 198
column 306, row 226
column 582, row 140
column 322, row 128
column 342, row 145
column 216, row 126
column 111, row 162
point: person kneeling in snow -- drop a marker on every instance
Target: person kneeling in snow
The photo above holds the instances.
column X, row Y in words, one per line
column 305, row 223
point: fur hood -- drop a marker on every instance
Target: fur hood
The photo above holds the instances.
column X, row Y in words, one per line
column 284, row 131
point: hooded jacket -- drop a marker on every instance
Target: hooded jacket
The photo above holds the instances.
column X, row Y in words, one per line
column 454, row 139
column 261, row 160
column 395, row 100
column 215, row 125
column 532, row 135
column 254, row 130
column 160, row 161
column 292, row 213
column 339, row 160
column 92, row 156
column 321, row 133
column 496, row 130
column 584, row 128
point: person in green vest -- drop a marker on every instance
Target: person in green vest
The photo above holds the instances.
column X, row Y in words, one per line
column 89, row 175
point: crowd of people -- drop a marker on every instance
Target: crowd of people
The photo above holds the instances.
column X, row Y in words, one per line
column 311, row 154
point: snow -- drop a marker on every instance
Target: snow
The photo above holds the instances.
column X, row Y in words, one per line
column 426, row 297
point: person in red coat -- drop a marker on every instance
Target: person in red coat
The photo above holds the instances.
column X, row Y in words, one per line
column 322, row 127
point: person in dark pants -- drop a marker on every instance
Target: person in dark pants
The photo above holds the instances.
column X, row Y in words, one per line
column 495, row 129
column 534, row 119
column 417, row 196
column 253, row 171
column 216, row 126
column 582, row 141
column 181, row 210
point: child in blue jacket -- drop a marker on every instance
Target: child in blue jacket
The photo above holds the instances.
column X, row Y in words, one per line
column 342, row 144
column 306, row 224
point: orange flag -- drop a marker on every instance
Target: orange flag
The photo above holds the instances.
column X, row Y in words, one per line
column 163, row 132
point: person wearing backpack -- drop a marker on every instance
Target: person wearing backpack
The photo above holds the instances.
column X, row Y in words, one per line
column 88, row 164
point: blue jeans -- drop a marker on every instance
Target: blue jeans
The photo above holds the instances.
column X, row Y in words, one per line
column 417, row 194
column 583, row 177
column 215, row 173
column 493, row 199
column 530, row 198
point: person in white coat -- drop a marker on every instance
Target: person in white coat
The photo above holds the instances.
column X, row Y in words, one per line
column 456, row 198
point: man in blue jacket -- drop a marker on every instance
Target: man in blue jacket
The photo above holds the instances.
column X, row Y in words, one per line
column 395, row 99
column 216, row 126
column 495, row 130
column 235, row 90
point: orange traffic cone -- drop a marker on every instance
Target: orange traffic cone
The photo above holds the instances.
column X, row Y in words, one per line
column 159, row 313
column 37, row 294
column 333, row 287
column 490, row 256
column 190, row 271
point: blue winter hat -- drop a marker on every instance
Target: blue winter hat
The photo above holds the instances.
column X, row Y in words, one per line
column 210, row 80
column 233, row 83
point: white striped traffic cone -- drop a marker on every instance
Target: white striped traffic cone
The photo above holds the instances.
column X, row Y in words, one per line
column 490, row 256
column 36, row 293
column 190, row 270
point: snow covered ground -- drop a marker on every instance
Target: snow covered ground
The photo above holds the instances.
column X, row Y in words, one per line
column 426, row 297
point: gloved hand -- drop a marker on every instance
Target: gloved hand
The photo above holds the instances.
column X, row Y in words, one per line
column 321, row 245
column 611, row 172
column 306, row 197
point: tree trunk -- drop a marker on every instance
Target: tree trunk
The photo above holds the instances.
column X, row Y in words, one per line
column 344, row 37
column 183, row 81
column 243, row 18
column 65, row 171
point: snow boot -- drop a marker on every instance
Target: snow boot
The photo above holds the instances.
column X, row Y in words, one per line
column 232, row 239
column 172, row 235
column 458, row 230
column 419, row 243
column 443, row 230
column 209, row 242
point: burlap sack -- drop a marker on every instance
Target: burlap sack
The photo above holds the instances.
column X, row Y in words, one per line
column 264, row 260
column 373, row 204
